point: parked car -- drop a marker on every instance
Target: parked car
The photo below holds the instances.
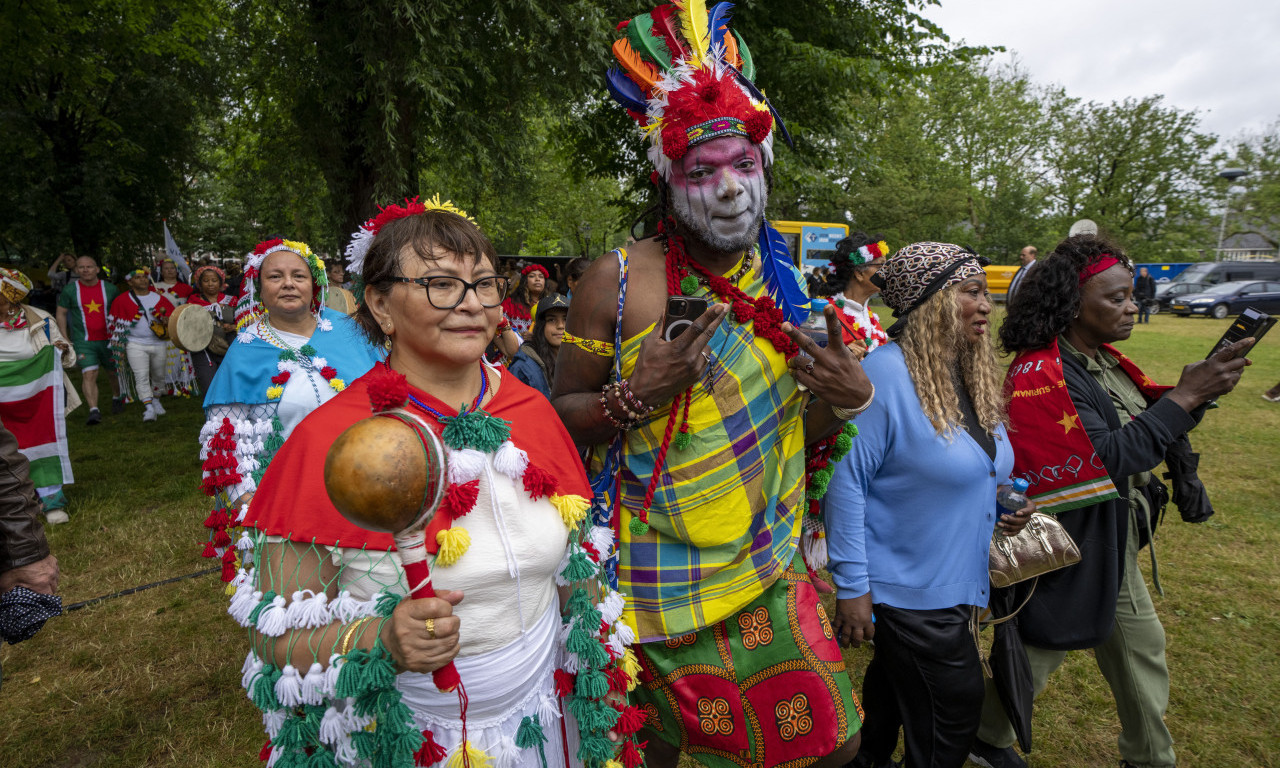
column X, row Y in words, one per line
column 1167, row 292
column 1214, row 272
column 1226, row 299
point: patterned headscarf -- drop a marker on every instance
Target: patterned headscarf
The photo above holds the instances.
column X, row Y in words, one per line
column 14, row 285
column 917, row 271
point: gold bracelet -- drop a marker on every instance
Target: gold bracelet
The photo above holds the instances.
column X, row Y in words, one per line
column 845, row 414
column 347, row 637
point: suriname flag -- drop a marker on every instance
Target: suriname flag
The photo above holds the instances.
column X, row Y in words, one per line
column 31, row 403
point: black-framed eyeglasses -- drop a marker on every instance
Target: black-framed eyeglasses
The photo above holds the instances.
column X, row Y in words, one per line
column 446, row 292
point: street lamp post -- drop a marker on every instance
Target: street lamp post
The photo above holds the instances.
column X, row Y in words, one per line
column 1230, row 174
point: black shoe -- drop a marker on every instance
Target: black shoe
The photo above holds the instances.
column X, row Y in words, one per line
column 95, row 417
column 117, row 405
column 982, row 753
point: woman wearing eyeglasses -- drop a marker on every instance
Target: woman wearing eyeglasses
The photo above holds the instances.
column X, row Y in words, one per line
column 291, row 355
column 334, row 639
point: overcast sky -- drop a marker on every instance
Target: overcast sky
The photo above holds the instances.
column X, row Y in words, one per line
column 1221, row 58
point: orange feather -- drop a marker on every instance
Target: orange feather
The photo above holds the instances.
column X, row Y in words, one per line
column 642, row 72
column 731, row 50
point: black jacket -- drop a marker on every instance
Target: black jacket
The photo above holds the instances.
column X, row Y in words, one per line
column 1144, row 287
column 22, row 539
column 1075, row 607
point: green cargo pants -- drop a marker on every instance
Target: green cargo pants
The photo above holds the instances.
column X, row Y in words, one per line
column 1131, row 659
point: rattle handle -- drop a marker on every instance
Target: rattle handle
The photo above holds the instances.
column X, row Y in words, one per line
column 413, row 556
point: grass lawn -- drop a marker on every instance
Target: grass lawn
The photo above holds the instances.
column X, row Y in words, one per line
column 153, row 678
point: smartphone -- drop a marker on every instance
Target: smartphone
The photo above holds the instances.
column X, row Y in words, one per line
column 681, row 312
column 1251, row 322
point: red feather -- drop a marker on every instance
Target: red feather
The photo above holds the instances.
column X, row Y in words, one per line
column 665, row 25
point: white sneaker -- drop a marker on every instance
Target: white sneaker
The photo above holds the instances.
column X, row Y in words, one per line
column 149, row 414
column 56, row 517
column 156, row 407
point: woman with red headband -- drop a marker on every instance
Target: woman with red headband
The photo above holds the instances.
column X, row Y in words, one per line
column 1087, row 429
column 518, row 307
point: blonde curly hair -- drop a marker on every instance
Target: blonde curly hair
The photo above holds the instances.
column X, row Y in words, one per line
column 934, row 344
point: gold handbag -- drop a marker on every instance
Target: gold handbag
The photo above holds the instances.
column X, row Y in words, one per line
column 1042, row 546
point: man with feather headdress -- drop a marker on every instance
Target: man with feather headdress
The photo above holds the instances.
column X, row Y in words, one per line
column 700, row 459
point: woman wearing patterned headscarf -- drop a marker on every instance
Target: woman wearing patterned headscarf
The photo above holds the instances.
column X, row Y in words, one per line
column 31, row 349
column 911, row 509
column 292, row 355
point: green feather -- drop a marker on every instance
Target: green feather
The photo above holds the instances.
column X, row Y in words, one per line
column 748, row 68
column 647, row 44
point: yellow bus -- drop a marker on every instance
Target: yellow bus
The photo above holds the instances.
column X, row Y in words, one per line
column 998, row 278
column 811, row 243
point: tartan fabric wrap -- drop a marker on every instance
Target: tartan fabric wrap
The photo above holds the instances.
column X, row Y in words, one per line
column 725, row 518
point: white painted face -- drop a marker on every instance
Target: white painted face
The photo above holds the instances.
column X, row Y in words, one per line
column 718, row 192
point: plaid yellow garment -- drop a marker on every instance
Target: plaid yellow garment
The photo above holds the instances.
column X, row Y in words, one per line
column 725, row 519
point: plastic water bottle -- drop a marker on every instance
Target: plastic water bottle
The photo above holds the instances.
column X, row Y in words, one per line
column 815, row 325
column 1013, row 497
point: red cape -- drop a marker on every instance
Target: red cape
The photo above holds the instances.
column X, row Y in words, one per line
column 291, row 500
column 125, row 307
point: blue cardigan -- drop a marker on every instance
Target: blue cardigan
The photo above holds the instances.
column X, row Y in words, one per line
column 909, row 514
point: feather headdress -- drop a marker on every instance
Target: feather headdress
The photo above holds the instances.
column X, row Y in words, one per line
column 686, row 78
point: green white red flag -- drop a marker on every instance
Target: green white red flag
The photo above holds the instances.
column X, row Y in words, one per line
column 31, row 403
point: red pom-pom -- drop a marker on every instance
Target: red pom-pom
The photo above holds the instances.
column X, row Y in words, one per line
column 265, row 753
column 460, row 498
column 229, row 556
column 565, row 682
column 710, row 91
column 430, row 752
column 217, row 519
column 280, row 378
column 538, row 482
column 630, row 721
column 618, row 682
column 262, row 248
column 387, row 389
column 209, row 550
column 759, row 124
column 675, row 142
column 328, row 372
column 221, row 538
column 228, row 572
column 631, row 755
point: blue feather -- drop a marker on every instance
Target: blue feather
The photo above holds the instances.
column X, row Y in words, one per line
column 779, row 275
column 625, row 91
column 718, row 18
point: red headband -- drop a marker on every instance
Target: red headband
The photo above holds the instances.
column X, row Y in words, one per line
column 537, row 267
column 1104, row 262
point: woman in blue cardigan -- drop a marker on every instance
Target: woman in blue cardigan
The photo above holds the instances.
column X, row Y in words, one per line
column 912, row 507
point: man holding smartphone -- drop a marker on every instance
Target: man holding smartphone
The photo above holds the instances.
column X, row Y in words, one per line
column 707, row 430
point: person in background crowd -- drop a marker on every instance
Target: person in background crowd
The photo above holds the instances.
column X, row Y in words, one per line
column 292, row 355
column 140, row 349
column 179, row 372
column 911, row 509
column 1028, row 258
column 339, row 297
column 573, row 272
column 28, row 572
column 39, row 410
column 1144, row 292
column 82, row 318
column 209, row 282
column 856, row 261
column 60, row 271
column 235, row 280
column 1076, row 401
column 535, row 362
column 518, row 307
column 705, row 435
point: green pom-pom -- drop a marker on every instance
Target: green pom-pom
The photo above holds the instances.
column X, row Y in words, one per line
column 589, row 620
column 594, row 748
column 475, row 429
column 818, row 485
column 578, row 601
column 580, row 567
column 530, row 733
column 638, row 527
column 267, row 597
column 322, row 757
column 351, row 675
column 287, row 355
column 308, row 350
column 851, row 430
column 688, row 285
column 365, row 742
column 843, row 444
column 264, row 689
column 682, row 441
column 387, row 603
column 839, row 303
column 380, row 673
column 591, row 683
column 580, row 641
